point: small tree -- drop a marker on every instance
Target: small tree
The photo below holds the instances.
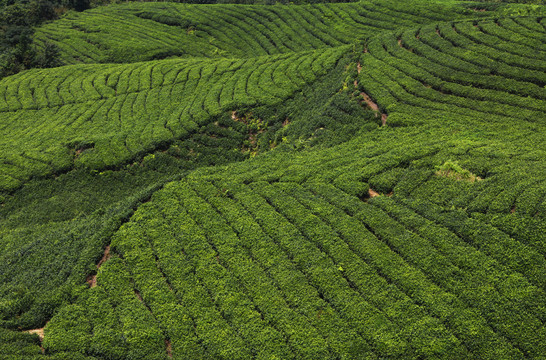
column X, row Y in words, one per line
column 49, row 56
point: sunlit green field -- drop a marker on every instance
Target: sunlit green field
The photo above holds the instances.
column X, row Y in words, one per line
column 326, row 181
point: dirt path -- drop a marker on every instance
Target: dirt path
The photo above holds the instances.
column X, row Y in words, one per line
column 373, row 193
column 372, row 105
column 40, row 333
column 368, row 100
column 92, row 279
column 383, row 119
column 169, row 348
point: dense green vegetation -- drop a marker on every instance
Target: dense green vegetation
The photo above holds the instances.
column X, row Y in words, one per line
column 136, row 32
column 326, row 181
column 101, row 116
column 17, row 21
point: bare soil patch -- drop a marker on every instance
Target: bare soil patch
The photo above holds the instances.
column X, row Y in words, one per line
column 168, row 348
column 285, row 122
column 372, row 105
column 105, row 256
column 383, row 119
column 92, row 279
column 40, row 333
column 373, row 193
column 368, row 100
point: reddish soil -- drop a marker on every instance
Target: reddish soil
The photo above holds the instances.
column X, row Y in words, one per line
column 139, row 297
column 169, row 349
column 369, row 102
column 92, row 279
column 373, row 193
column 383, row 119
column 513, row 210
column 285, row 122
column 40, row 333
column 372, row 105
column 105, row 257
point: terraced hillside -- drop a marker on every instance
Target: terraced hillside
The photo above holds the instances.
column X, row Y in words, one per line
column 136, row 32
column 329, row 181
column 102, row 116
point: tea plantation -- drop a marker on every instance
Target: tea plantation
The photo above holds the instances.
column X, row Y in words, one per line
column 359, row 180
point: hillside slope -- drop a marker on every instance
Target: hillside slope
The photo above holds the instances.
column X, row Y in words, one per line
column 137, row 32
column 333, row 181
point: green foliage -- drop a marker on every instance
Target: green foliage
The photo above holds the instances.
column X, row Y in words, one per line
column 280, row 189
column 452, row 170
column 143, row 31
column 17, row 19
column 137, row 109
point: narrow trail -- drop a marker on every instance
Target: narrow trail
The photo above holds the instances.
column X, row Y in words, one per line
column 168, row 348
column 373, row 193
column 368, row 100
column 92, row 279
column 375, row 108
column 40, row 333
